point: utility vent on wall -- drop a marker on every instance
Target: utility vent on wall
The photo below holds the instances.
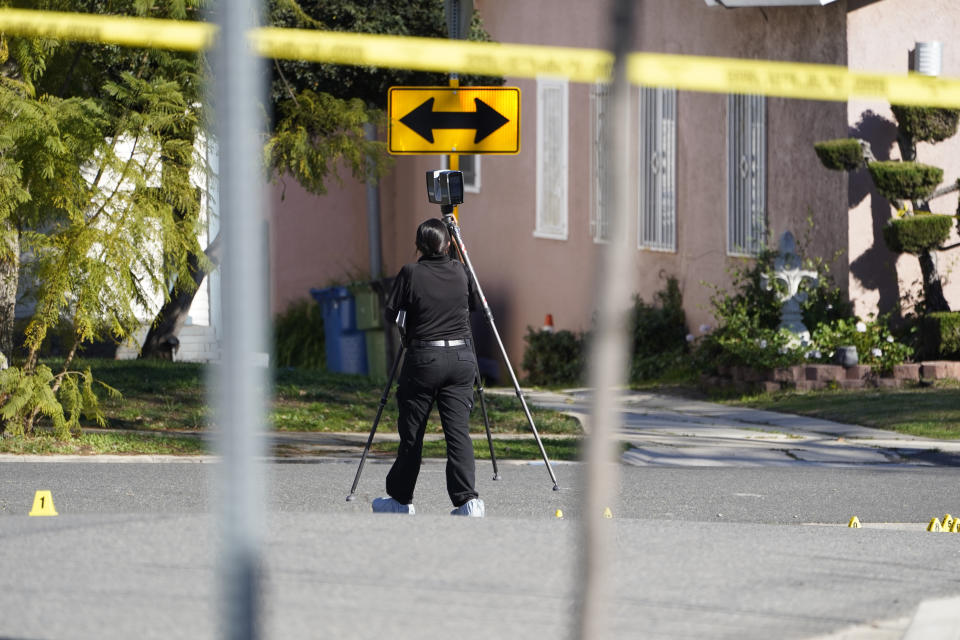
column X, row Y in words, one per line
column 730, row 4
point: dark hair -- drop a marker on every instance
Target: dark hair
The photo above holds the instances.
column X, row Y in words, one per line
column 432, row 237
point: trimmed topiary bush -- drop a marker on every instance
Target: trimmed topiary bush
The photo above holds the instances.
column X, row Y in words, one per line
column 940, row 335
column 926, row 124
column 917, row 233
column 842, row 154
column 905, row 180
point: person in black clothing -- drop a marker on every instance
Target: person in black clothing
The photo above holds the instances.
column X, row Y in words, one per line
column 440, row 365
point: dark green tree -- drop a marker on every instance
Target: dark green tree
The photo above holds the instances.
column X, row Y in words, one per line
column 317, row 114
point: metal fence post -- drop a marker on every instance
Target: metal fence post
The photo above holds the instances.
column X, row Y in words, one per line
column 240, row 381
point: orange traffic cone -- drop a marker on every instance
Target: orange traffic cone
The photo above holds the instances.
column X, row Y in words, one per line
column 548, row 323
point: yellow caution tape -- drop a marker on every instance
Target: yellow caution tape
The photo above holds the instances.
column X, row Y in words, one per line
column 131, row 32
column 690, row 73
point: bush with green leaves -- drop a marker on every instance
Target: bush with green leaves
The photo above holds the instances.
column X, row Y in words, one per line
column 876, row 344
column 742, row 339
column 553, row 357
column 659, row 333
column 897, row 180
column 918, row 233
column 298, row 336
column 940, row 335
column 926, row 124
column 843, row 154
column 748, row 318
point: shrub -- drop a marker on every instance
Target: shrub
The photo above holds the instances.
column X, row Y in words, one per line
column 742, row 340
column 905, row 180
column 940, row 335
column 926, row 124
column 553, row 358
column 659, row 333
column 299, row 336
column 748, row 319
column 843, row 154
column 917, row 233
column 875, row 343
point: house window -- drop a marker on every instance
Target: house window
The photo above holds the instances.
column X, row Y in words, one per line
column 470, row 167
column 657, row 224
column 746, row 175
column 600, row 184
column 552, row 109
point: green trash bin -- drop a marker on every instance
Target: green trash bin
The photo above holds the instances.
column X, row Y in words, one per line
column 377, row 354
column 370, row 321
column 369, row 314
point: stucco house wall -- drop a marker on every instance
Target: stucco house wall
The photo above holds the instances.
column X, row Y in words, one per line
column 525, row 277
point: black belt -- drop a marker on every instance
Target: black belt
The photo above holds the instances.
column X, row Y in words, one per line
column 438, row 343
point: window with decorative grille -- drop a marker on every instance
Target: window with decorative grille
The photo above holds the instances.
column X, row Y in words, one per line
column 657, row 224
column 599, row 175
column 746, row 175
column 552, row 114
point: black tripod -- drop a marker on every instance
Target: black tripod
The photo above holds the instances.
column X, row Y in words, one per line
column 383, row 403
column 454, row 229
column 457, row 239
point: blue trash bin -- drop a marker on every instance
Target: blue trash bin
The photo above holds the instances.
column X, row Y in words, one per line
column 346, row 345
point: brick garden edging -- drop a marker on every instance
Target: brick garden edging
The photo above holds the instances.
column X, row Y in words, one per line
column 806, row 377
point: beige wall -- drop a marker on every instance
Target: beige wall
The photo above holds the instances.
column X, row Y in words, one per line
column 315, row 241
column 526, row 277
column 881, row 35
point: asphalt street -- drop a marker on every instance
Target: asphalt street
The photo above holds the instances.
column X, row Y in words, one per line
column 748, row 547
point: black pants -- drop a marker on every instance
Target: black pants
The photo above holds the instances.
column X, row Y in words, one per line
column 444, row 374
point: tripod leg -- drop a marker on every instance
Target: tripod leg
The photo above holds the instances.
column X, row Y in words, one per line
column 376, row 421
column 486, row 425
column 488, row 314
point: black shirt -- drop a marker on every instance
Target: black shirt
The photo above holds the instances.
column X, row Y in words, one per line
column 437, row 294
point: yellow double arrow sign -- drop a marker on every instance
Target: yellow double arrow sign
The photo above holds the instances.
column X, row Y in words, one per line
column 692, row 73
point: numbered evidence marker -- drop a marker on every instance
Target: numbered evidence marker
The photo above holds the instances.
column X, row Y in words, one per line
column 43, row 504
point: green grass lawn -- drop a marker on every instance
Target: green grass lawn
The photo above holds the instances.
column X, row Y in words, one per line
column 170, row 398
column 110, row 443
column 513, row 449
column 932, row 412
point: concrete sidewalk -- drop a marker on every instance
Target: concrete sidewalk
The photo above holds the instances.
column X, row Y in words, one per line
column 668, row 430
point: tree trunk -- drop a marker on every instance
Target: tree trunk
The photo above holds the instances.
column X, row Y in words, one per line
column 933, row 298
column 9, row 275
column 161, row 340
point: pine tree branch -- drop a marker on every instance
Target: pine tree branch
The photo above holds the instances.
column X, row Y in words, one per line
column 120, row 182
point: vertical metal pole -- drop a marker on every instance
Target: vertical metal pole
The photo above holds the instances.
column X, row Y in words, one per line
column 608, row 363
column 373, row 213
column 240, row 383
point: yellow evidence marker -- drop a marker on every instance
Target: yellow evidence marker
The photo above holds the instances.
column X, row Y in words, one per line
column 43, row 504
column 559, row 513
column 934, row 525
column 956, row 526
column 607, row 513
column 854, row 523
